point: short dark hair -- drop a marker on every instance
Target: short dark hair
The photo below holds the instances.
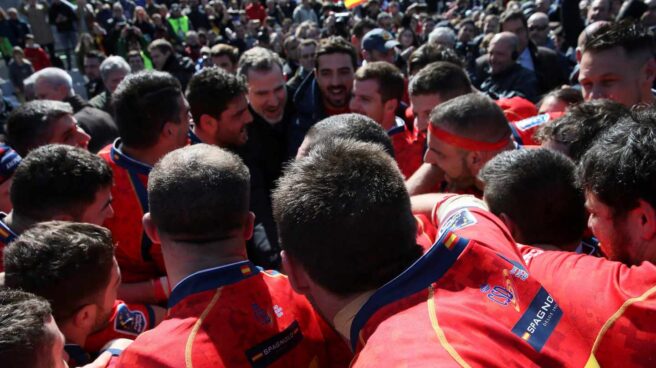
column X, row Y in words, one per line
column 199, row 193
column 619, row 167
column 443, row 78
column 350, row 233
column 336, row 45
column 67, row 263
column 580, row 126
column 514, row 179
column 430, row 53
column 472, row 116
column 222, row 49
column 29, row 125
column 260, row 59
column 95, row 54
column 513, row 15
column 143, row 103
column 391, row 83
column 161, row 45
column 571, row 96
column 349, row 126
column 24, row 340
column 56, row 179
column 633, row 37
column 361, row 25
column 211, row 90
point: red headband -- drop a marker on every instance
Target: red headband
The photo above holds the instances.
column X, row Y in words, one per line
column 466, row 143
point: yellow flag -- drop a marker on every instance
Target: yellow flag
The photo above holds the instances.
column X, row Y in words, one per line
column 350, row 4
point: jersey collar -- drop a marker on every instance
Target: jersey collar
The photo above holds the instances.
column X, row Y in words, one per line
column 7, row 235
column 127, row 162
column 426, row 270
column 212, row 278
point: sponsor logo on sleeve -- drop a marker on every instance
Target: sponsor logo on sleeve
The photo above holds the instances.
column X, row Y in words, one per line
column 459, row 220
column 131, row 322
column 531, row 122
column 540, row 319
column 270, row 350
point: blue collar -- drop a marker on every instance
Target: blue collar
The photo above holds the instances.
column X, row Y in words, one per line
column 127, row 162
column 7, row 235
column 426, row 270
column 193, row 138
column 212, row 278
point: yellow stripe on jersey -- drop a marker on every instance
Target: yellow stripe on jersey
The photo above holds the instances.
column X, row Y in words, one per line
column 432, row 314
column 189, row 363
column 4, row 233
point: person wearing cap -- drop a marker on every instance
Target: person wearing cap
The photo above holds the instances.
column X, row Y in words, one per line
column 9, row 160
column 379, row 45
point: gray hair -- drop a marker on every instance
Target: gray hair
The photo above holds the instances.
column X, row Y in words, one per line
column 112, row 64
column 258, row 58
column 55, row 77
column 442, row 34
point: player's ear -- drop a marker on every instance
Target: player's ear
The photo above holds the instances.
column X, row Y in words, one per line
column 645, row 218
column 650, row 71
column 391, row 105
column 150, row 228
column 295, row 273
column 85, row 317
column 249, row 226
column 207, row 123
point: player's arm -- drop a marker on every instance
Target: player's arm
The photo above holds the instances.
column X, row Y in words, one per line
column 424, row 204
column 424, row 179
column 155, row 291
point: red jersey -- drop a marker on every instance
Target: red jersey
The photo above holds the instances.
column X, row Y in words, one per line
column 138, row 257
column 524, row 130
column 408, row 149
column 426, row 232
column 127, row 321
column 237, row 316
column 613, row 305
column 6, row 236
column 468, row 301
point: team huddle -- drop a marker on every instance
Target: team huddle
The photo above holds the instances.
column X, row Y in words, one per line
column 483, row 233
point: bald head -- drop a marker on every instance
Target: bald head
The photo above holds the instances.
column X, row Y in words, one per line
column 538, row 28
column 503, row 51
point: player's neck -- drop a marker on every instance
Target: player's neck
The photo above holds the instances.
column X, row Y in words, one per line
column 18, row 223
column 148, row 156
column 184, row 259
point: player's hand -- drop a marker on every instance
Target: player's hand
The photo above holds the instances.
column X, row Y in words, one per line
column 100, row 362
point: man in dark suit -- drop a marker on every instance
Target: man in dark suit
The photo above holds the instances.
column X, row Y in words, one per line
column 543, row 61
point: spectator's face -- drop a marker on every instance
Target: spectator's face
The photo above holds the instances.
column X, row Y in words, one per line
column 136, row 63
column 92, row 68
column 466, row 33
column 517, row 27
column 366, row 100
column 159, row 58
column 291, row 50
column 66, row 131
column 114, row 78
column 599, row 10
column 231, row 128
column 422, row 105
column 539, row 30
column 613, row 75
column 552, row 104
column 452, row 160
column 308, row 57
column 389, row 56
column 335, row 79
column 267, row 93
column 407, row 38
column 224, row 62
column 491, row 24
column 101, row 208
column 46, row 91
column 500, row 56
column 613, row 232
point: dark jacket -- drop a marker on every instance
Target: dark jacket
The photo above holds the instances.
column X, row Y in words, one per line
column 103, row 102
column 548, row 69
column 309, row 111
column 63, row 17
column 514, row 81
column 180, row 67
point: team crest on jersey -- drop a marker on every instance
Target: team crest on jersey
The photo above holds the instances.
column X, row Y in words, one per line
column 532, row 122
column 128, row 321
column 459, row 220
